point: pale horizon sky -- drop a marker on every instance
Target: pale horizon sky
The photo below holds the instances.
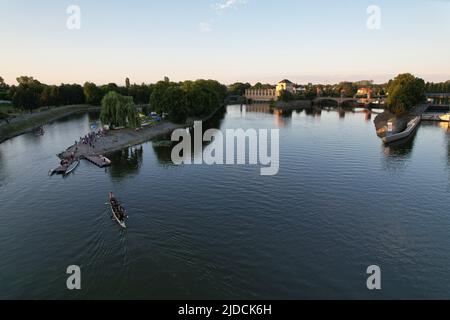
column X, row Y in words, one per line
column 320, row 41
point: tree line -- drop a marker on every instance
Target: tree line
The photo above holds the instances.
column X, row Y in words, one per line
column 178, row 100
column 181, row 100
column 30, row 93
column 440, row 87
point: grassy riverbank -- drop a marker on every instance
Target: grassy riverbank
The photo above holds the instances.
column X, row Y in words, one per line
column 28, row 122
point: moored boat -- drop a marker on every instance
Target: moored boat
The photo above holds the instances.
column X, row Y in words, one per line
column 72, row 167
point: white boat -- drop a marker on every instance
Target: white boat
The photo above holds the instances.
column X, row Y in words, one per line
column 72, row 167
column 410, row 128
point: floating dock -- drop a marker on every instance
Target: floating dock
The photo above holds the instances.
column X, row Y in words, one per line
column 99, row 160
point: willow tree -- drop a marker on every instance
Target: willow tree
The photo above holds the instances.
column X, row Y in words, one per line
column 119, row 111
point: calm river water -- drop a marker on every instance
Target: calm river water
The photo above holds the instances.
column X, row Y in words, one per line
column 340, row 203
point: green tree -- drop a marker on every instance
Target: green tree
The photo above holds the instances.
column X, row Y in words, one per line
column 27, row 94
column 157, row 96
column 405, row 92
column 70, row 94
column 175, row 104
column 93, row 95
column 238, row 88
column 50, row 96
column 346, row 88
column 119, row 111
column 286, row 96
column 4, row 88
column 140, row 93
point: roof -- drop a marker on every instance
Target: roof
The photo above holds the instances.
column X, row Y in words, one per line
column 285, row 81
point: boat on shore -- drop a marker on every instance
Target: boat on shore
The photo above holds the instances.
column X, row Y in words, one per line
column 410, row 128
column 117, row 210
column 72, row 167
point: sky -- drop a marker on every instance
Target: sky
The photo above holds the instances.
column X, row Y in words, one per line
column 318, row 41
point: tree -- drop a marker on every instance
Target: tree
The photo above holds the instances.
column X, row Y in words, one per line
column 157, row 96
column 50, row 96
column 119, row 111
column 187, row 99
column 71, row 94
column 4, row 88
column 127, row 83
column 27, row 94
column 140, row 93
column 346, row 88
column 175, row 104
column 3, row 85
column 238, row 88
column 93, row 95
column 405, row 92
column 286, row 96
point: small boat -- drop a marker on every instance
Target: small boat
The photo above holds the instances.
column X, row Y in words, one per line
column 72, row 167
column 117, row 210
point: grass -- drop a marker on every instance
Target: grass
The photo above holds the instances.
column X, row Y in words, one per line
column 8, row 109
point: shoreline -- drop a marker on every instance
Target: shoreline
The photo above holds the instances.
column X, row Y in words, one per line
column 29, row 122
column 116, row 140
column 294, row 105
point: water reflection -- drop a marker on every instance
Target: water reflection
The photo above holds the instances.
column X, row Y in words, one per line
column 400, row 148
column 163, row 146
column 368, row 115
column 126, row 161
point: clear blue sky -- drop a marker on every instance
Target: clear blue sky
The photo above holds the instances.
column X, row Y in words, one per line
column 227, row 40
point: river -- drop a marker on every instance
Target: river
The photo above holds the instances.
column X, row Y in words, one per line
column 340, row 203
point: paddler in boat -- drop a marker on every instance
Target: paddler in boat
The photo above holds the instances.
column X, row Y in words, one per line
column 118, row 209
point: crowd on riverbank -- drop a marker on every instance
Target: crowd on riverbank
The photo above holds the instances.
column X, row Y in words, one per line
column 91, row 138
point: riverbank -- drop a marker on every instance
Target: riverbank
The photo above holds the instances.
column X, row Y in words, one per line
column 399, row 123
column 115, row 140
column 293, row 105
column 29, row 122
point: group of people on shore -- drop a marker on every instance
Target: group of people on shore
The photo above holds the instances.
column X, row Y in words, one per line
column 68, row 160
column 91, row 138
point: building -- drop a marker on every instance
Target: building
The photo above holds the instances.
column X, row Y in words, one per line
column 265, row 95
column 285, row 85
column 364, row 92
column 262, row 95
